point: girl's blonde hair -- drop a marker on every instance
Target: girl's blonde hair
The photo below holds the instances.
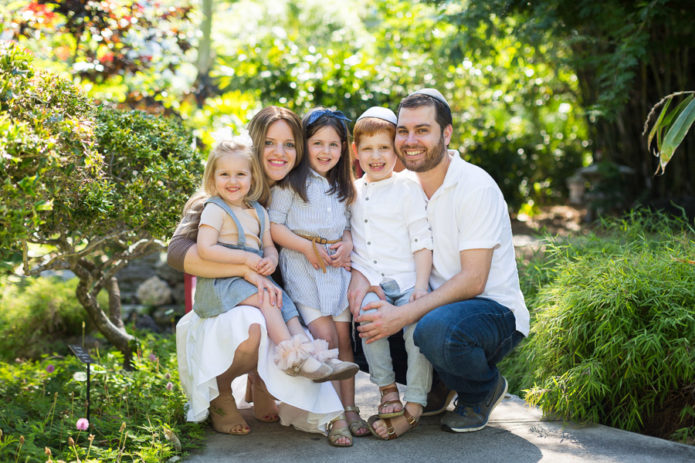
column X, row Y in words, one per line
column 239, row 145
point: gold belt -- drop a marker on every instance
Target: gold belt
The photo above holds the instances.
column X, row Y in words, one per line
column 319, row 240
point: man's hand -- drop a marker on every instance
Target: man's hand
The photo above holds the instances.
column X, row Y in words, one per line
column 381, row 322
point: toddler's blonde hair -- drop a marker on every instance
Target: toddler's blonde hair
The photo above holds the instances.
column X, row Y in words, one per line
column 240, row 146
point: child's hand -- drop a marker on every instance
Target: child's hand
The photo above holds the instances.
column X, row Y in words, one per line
column 266, row 266
column 417, row 294
column 310, row 255
column 341, row 257
column 252, row 260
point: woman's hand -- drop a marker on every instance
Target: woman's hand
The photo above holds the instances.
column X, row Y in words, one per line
column 266, row 288
column 341, row 256
column 252, row 260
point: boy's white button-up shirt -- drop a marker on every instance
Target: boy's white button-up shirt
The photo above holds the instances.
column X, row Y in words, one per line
column 389, row 224
column 466, row 212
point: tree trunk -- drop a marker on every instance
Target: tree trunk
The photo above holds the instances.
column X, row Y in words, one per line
column 118, row 337
column 114, row 302
column 202, row 82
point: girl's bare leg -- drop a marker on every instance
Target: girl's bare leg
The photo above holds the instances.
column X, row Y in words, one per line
column 347, row 386
column 223, row 411
column 325, row 328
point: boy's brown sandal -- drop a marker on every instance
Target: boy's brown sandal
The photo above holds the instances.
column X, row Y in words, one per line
column 387, row 390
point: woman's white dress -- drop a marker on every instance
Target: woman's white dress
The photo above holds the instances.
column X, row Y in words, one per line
column 205, row 349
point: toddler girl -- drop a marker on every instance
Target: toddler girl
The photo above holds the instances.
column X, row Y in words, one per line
column 232, row 227
column 310, row 220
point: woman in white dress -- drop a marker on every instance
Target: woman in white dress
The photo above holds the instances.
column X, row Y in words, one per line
column 214, row 352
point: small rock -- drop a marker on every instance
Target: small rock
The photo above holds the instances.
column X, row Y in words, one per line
column 154, row 292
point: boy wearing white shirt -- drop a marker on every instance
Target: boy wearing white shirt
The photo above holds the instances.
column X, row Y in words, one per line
column 392, row 249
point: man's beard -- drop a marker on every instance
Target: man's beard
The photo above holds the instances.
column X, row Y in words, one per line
column 432, row 157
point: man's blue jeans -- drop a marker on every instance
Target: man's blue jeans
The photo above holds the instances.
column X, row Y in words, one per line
column 464, row 341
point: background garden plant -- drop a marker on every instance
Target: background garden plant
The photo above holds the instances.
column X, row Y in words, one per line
column 613, row 327
column 85, row 188
column 135, row 415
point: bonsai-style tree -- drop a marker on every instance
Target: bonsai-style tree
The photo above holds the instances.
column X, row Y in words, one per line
column 85, row 188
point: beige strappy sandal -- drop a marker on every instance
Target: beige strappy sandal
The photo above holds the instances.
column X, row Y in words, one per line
column 355, row 425
column 336, row 433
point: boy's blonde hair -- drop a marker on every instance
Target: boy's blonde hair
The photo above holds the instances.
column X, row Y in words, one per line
column 239, row 145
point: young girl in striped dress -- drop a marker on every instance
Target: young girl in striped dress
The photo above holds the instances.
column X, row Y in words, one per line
column 309, row 218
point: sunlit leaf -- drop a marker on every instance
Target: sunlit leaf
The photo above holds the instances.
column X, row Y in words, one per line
column 676, row 133
column 657, row 124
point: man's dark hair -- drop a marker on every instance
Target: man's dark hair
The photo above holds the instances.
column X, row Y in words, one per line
column 442, row 111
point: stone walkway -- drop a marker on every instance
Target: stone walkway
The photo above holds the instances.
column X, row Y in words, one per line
column 516, row 433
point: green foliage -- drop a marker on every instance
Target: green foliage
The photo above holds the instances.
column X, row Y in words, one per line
column 624, row 56
column 37, row 314
column 90, row 187
column 74, row 172
column 135, row 416
column 670, row 127
column 613, row 326
column 152, row 171
column 514, row 115
column 129, row 49
column 46, row 143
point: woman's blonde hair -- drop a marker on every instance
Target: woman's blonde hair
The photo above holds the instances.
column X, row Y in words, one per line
column 239, row 145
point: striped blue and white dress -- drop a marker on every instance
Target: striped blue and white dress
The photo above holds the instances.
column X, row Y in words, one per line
column 325, row 216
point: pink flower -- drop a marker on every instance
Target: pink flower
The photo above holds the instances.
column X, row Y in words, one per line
column 169, row 386
column 82, row 424
column 50, row 368
column 153, row 358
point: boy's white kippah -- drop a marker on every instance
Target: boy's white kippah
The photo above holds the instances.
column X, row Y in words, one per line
column 434, row 93
column 380, row 113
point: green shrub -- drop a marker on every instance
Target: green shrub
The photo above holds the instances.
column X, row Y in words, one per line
column 134, row 416
column 91, row 187
column 613, row 324
column 36, row 315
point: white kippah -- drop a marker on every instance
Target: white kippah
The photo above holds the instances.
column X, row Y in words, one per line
column 380, row 113
column 434, row 93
